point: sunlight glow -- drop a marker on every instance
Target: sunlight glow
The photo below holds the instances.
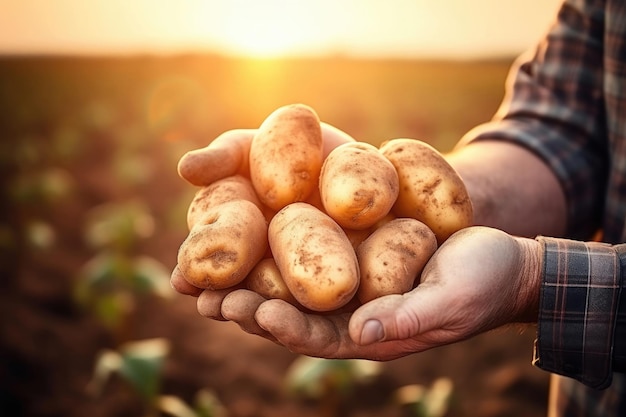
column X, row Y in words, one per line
column 267, row 28
column 270, row 28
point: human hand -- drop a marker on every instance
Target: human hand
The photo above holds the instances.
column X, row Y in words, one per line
column 228, row 155
column 478, row 280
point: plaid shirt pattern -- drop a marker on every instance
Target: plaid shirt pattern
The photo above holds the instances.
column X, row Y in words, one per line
column 578, row 307
column 566, row 101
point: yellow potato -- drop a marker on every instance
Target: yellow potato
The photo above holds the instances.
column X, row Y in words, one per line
column 314, row 256
column 265, row 279
column 227, row 189
column 223, row 248
column 357, row 236
column 393, row 256
column 430, row 189
column 358, row 185
column 286, row 156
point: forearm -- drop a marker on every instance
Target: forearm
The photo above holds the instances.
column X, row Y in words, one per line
column 511, row 188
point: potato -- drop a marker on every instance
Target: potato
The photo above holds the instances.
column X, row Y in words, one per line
column 430, row 189
column 223, row 248
column 217, row 160
column 286, row 156
column 265, row 279
column 357, row 236
column 314, row 256
column 227, row 189
column 393, row 256
column 358, row 185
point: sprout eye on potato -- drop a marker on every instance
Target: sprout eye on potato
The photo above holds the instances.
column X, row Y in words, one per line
column 287, row 217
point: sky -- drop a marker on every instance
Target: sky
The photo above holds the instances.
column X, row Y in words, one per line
column 269, row 28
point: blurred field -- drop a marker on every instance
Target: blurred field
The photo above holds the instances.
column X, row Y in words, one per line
column 77, row 133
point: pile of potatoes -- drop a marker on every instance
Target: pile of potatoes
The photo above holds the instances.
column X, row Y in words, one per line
column 318, row 232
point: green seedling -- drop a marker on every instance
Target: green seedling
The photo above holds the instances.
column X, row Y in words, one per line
column 112, row 280
column 140, row 364
column 423, row 401
column 329, row 381
column 206, row 404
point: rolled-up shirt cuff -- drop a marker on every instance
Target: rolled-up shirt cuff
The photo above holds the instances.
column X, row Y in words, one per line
column 578, row 309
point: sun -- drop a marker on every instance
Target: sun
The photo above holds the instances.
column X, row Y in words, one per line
column 268, row 28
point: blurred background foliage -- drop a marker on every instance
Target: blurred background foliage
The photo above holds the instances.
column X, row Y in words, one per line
column 93, row 210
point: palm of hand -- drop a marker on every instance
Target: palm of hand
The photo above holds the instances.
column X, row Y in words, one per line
column 469, row 286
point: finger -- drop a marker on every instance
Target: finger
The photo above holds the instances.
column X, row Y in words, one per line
column 240, row 306
column 400, row 317
column 321, row 336
column 333, row 137
column 180, row 284
column 209, row 303
column 225, row 156
column 308, row 334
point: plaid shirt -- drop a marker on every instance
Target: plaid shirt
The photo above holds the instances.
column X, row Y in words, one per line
column 567, row 103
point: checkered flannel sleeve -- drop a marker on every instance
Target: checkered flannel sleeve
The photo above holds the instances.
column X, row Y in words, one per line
column 580, row 331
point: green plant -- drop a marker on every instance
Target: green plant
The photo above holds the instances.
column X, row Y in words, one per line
column 423, row 401
column 329, row 381
column 110, row 285
column 112, row 280
column 206, row 404
column 140, row 363
column 31, row 194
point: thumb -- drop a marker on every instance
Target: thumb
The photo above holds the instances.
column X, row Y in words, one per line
column 398, row 317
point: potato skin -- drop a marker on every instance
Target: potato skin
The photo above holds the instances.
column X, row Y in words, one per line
column 358, row 185
column 314, row 256
column 286, row 156
column 265, row 279
column 393, row 256
column 430, row 189
column 222, row 249
column 227, row 189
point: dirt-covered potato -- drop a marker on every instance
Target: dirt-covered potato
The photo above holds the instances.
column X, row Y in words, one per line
column 357, row 236
column 430, row 189
column 358, row 185
column 393, row 256
column 223, row 248
column 227, row 189
column 286, row 156
column 265, row 279
column 314, row 256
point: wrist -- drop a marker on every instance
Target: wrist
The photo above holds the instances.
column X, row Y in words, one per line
column 529, row 277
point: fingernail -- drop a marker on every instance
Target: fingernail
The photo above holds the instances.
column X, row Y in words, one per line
column 372, row 332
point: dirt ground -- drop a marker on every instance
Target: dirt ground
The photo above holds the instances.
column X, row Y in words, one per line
column 48, row 349
column 48, row 344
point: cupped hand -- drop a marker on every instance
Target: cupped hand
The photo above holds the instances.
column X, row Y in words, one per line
column 478, row 280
